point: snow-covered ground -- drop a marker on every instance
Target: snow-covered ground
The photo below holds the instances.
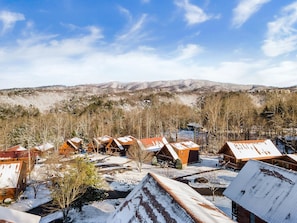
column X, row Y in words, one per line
column 126, row 179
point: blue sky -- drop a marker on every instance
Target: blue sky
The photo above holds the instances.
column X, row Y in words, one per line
column 71, row 42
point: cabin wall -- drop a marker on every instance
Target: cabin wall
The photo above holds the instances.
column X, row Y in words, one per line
column 7, row 193
column 193, row 156
column 183, row 155
column 242, row 215
column 65, row 149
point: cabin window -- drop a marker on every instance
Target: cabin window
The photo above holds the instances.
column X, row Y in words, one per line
column 252, row 218
column 234, row 211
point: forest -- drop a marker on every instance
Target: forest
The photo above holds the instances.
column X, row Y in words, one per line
column 224, row 116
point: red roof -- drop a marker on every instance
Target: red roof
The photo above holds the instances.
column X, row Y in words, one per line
column 147, row 142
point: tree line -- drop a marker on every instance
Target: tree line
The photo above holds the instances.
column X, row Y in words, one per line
column 224, row 115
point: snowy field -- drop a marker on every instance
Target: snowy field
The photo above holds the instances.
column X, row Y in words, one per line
column 126, row 179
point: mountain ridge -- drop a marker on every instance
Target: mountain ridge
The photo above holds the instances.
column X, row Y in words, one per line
column 46, row 97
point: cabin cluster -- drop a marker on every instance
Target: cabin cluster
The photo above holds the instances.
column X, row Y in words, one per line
column 264, row 189
column 16, row 162
column 185, row 152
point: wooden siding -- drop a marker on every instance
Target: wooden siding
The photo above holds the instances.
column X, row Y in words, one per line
column 242, row 215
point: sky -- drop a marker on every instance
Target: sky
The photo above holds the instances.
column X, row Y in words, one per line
column 72, row 42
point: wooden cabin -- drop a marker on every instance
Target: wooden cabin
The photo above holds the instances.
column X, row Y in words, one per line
column 12, row 179
column 43, row 150
column 160, row 199
column 18, row 153
column 120, row 145
column 263, row 192
column 237, row 153
column 187, row 151
column 99, row 144
column 71, row 146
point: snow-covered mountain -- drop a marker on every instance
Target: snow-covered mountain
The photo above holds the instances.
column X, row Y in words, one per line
column 46, row 97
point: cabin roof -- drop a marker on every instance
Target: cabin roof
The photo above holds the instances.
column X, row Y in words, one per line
column 44, row 147
column 10, row 173
column 152, row 144
column 292, row 156
column 125, row 139
column 268, row 191
column 159, row 199
column 76, row 140
column 185, row 145
column 14, row 216
column 16, row 148
column 251, row 149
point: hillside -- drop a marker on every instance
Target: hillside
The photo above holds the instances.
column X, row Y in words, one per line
column 48, row 97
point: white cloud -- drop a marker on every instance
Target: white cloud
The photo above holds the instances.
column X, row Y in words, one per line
column 125, row 12
column 9, row 19
column 245, row 9
column 133, row 34
column 48, row 60
column 189, row 51
column 51, row 59
column 281, row 34
column 193, row 14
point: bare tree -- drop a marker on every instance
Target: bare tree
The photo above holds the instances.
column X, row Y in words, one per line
column 213, row 183
column 139, row 155
column 37, row 179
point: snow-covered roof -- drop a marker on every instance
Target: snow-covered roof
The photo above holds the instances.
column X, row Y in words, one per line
column 185, row 145
column 9, row 174
column 194, row 125
column 125, row 139
column 268, row 191
column 160, row 199
column 44, row 147
column 118, row 144
column 17, row 148
column 252, row 149
column 179, row 146
column 292, row 156
column 76, row 140
column 71, row 143
column 190, row 144
column 14, row 216
column 104, row 139
column 152, row 144
column 171, row 151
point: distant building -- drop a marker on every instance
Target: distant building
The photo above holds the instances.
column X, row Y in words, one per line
column 71, row 146
column 99, row 144
column 120, row 145
column 262, row 192
column 19, row 153
column 160, row 199
column 44, row 149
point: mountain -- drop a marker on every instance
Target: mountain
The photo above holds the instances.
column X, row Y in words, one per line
column 44, row 98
